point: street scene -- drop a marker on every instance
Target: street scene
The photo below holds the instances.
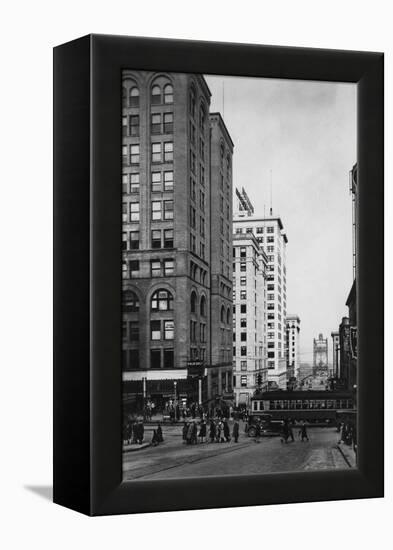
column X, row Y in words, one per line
column 239, row 269
column 259, row 455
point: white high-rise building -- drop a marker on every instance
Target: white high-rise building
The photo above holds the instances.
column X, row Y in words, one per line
column 249, row 318
column 272, row 239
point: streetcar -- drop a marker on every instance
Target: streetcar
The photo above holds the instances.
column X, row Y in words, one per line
column 314, row 407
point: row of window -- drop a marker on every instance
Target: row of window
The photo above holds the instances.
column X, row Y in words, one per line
column 160, row 238
column 160, row 152
column 158, row 95
column 159, row 330
column 161, row 300
column 193, row 331
column 160, row 123
column 160, row 210
column 259, row 230
column 158, row 268
column 160, row 181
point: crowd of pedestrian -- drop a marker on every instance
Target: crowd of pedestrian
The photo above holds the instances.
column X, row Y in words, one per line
column 219, row 431
column 288, row 429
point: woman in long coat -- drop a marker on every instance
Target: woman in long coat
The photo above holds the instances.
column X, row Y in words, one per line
column 202, row 431
column 235, row 432
column 212, row 431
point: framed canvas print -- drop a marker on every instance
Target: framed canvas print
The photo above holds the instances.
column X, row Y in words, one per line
column 218, row 319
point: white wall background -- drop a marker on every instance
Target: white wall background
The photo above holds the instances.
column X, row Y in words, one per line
column 29, row 30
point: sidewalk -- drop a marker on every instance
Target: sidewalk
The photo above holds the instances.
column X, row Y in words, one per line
column 135, row 447
column 348, row 454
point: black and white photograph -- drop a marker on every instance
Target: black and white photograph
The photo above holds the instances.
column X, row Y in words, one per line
column 239, row 265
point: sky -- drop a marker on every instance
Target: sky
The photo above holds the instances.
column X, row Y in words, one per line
column 302, row 136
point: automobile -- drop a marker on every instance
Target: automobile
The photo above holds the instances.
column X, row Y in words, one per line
column 263, row 424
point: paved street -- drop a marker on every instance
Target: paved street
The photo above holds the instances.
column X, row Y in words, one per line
column 173, row 459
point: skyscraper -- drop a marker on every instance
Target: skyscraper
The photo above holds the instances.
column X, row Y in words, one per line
column 168, row 274
column 249, row 327
column 270, row 235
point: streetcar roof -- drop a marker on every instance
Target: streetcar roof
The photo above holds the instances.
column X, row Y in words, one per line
column 284, row 395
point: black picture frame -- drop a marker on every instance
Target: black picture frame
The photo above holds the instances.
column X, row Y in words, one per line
column 87, row 273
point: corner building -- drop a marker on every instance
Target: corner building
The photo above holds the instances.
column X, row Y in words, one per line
column 272, row 239
column 167, row 239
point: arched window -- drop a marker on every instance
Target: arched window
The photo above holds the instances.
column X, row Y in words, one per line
column 203, row 306
column 168, row 93
column 162, row 300
column 124, row 97
column 202, row 118
column 222, row 314
column 193, row 301
column 130, row 301
column 228, row 316
column 134, row 97
column 156, row 95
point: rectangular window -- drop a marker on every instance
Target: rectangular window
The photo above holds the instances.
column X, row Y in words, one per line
column 192, row 217
column 168, row 359
column 124, row 152
column 243, row 267
column 155, row 266
column 155, row 330
column 134, row 211
column 243, row 322
column 243, row 295
column 124, row 211
column 134, row 358
column 155, row 359
column 134, row 240
column 243, row 381
column 243, row 281
column 270, row 229
column 243, row 350
column 243, row 308
column 134, row 183
column 243, row 365
column 168, row 210
column 134, row 268
column 156, row 152
column 134, row 154
column 168, row 180
column 155, row 127
column 243, row 252
column 243, row 337
column 168, row 151
column 124, row 181
column 156, row 181
column 124, row 125
column 156, row 210
column 202, row 175
column 156, row 238
column 134, row 125
column 134, row 331
column 168, row 123
column 169, row 267
column 192, row 162
column 124, row 241
column 169, row 330
column 202, row 226
column 168, row 238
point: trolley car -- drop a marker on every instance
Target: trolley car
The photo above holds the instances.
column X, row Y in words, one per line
column 316, row 407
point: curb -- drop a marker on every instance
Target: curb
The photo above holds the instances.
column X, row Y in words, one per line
column 345, row 457
column 137, row 448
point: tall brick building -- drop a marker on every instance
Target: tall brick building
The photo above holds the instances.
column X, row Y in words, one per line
column 173, row 284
